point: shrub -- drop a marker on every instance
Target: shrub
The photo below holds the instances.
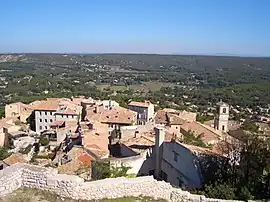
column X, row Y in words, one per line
column 44, row 141
column 26, row 150
column 4, row 153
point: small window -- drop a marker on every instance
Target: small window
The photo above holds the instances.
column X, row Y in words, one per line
column 224, row 110
column 46, row 127
column 40, row 120
column 51, row 113
column 175, row 156
column 45, row 113
column 51, row 120
column 223, row 127
column 40, row 127
column 176, row 127
column 180, row 182
column 39, row 113
column 62, row 115
column 46, row 120
column 1, row 167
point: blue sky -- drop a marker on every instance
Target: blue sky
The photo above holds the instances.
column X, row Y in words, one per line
column 237, row 27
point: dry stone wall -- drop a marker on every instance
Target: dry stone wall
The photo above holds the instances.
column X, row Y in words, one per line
column 24, row 175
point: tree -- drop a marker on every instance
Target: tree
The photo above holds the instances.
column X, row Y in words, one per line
column 4, row 153
column 44, row 141
column 241, row 173
column 190, row 138
column 102, row 170
column 2, row 112
column 252, row 127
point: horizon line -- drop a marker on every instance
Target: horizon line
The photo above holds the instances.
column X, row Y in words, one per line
column 137, row 53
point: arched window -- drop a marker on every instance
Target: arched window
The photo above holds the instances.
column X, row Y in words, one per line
column 223, row 127
column 224, row 110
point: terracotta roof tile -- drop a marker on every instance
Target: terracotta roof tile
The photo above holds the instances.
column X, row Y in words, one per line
column 85, row 158
column 208, row 135
column 115, row 115
column 140, row 104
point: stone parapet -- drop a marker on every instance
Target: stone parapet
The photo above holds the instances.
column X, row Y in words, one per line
column 70, row 186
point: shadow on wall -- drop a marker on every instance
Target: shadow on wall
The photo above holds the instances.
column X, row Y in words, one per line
column 31, row 121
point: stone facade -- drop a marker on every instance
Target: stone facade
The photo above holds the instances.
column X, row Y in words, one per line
column 24, row 175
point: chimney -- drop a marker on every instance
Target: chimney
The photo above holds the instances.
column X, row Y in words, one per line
column 96, row 109
column 160, row 136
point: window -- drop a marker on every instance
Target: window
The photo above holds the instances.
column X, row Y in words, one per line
column 175, row 156
column 1, row 167
column 224, row 110
column 223, row 127
column 40, row 120
column 180, row 182
column 46, row 120
column 39, row 113
column 46, row 127
column 51, row 113
column 45, row 113
column 40, row 127
column 62, row 115
column 176, row 127
column 51, row 120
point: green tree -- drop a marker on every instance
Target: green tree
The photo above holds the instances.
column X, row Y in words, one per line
column 44, row 141
column 2, row 112
column 102, row 170
column 4, row 153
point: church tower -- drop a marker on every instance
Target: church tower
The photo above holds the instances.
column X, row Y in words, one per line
column 222, row 116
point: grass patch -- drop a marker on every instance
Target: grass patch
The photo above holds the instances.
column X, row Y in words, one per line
column 33, row 195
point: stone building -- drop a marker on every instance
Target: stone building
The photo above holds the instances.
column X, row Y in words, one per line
column 222, row 117
column 145, row 111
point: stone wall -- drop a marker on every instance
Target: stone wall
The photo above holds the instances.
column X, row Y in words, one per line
column 23, row 175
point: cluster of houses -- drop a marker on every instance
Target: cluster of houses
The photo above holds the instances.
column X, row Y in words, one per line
column 82, row 130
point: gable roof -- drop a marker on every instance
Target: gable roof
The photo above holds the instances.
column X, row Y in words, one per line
column 114, row 115
column 164, row 117
column 145, row 104
column 208, row 135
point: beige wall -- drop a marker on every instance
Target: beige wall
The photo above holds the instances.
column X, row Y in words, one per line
column 174, row 129
column 18, row 110
column 12, row 110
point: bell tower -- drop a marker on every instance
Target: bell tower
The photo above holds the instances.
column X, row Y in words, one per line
column 222, row 116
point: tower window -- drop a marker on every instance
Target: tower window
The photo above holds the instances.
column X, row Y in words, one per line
column 224, row 110
column 223, row 127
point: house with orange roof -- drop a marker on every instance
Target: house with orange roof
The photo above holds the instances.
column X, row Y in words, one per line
column 170, row 121
column 145, row 111
column 180, row 164
column 113, row 117
column 162, row 155
column 7, row 125
column 53, row 109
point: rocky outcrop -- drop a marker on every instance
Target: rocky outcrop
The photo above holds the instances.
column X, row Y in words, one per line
column 24, row 175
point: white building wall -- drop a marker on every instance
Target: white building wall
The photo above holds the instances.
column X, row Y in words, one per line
column 43, row 120
column 66, row 117
column 110, row 103
column 139, row 165
column 180, row 164
column 144, row 114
